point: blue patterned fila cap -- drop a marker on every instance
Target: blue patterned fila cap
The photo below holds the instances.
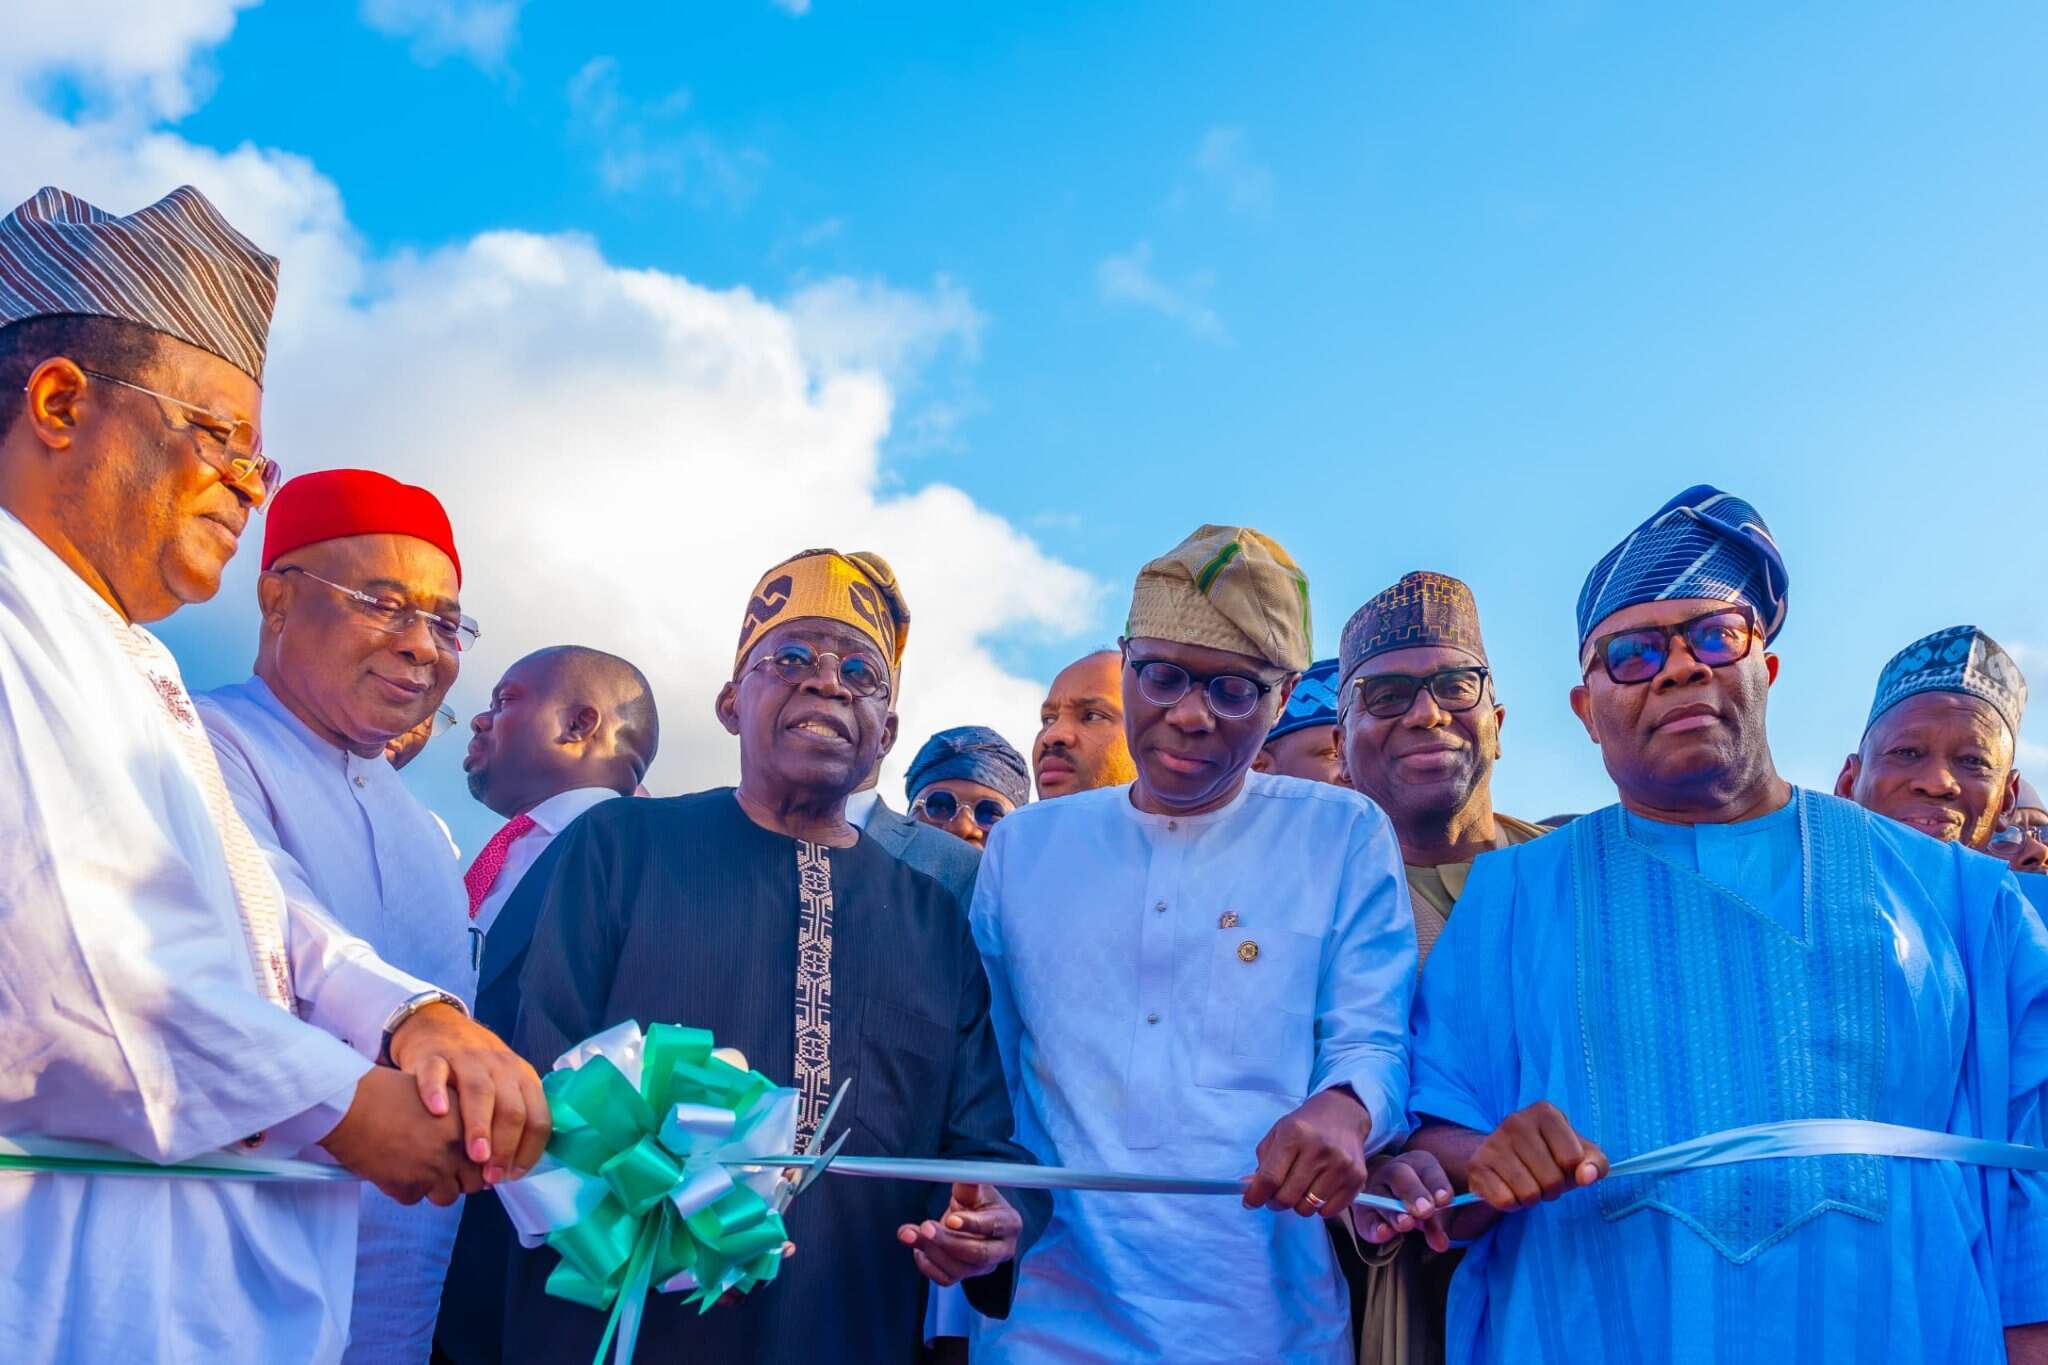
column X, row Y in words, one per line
column 1702, row 543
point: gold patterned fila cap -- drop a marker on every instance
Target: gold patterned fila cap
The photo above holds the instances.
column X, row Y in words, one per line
column 857, row 589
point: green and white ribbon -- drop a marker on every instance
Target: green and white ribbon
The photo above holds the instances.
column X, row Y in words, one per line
column 636, row 1190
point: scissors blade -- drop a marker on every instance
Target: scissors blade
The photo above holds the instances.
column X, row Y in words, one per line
column 817, row 1168
column 832, row 1109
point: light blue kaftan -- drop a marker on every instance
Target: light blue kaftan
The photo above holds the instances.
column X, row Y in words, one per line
column 1657, row 982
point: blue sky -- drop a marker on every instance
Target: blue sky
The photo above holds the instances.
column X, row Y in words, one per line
column 1463, row 287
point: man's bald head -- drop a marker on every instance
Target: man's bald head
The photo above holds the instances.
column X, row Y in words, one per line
column 562, row 718
column 1080, row 744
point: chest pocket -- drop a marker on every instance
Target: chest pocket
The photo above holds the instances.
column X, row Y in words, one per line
column 900, row 1082
column 1258, row 1020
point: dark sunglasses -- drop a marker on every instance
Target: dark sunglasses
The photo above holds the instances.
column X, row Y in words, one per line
column 1389, row 695
column 940, row 807
column 1715, row 638
column 1232, row 696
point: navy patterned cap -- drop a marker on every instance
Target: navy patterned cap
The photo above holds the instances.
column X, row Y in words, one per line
column 1702, row 543
column 1960, row 659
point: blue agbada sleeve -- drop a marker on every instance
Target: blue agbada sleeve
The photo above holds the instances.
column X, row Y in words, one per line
column 2023, row 1267
column 1463, row 1026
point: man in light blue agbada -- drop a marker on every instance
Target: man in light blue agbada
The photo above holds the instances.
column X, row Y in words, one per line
column 1722, row 949
column 1206, row 972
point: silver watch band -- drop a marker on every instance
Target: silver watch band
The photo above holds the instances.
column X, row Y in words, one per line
column 410, row 1006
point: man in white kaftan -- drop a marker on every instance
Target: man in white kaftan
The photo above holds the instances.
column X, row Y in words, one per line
column 302, row 747
column 158, row 992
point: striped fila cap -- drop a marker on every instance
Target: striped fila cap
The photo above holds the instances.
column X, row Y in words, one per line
column 177, row 267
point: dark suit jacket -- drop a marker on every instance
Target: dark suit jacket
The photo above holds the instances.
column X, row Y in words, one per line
column 952, row 863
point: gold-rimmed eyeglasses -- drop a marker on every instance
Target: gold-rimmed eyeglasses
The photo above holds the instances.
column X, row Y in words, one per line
column 241, row 459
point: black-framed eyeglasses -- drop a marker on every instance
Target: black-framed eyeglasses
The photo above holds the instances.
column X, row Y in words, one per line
column 1389, row 695
column 940, row 807
column 396, row 618
column 241, row 459
column 1714, row 638
column 1231, row 696
column 796, row 663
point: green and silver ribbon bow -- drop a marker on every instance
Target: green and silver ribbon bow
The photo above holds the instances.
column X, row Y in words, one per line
column 638, row 1190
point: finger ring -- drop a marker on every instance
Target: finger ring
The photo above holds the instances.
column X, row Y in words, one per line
column 1315, row 1200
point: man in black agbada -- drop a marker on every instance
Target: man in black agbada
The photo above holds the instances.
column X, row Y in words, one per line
column 761, row 914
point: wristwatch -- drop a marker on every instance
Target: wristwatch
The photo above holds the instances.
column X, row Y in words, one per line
column 412, row 1005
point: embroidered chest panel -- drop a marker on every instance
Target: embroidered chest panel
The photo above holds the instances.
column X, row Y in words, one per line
column 1699, row 1012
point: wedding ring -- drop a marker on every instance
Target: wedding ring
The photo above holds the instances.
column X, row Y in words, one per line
column 1315, row 1200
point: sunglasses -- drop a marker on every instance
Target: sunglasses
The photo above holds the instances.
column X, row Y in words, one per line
column 1715, row 638
column 1389, row 695
column 940, row 808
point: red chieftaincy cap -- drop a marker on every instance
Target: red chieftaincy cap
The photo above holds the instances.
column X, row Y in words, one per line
column 331, row 503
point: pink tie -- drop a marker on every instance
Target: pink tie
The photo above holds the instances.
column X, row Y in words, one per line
column 483, row 873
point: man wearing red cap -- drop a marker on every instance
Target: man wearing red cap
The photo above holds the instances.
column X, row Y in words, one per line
column 362, row 635
column 162, row 993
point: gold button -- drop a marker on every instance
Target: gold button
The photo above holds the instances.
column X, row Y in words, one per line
column 359, row 781
column 1227, row 920
column 1247, row 951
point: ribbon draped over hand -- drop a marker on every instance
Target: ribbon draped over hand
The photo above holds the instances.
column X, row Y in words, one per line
column 635, row 1190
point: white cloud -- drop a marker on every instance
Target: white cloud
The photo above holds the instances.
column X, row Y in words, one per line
column 622, row 450
column 1129, row 278
column 138, row 59
column 845, row 324
column 643, row 144
column 1224, row 159
column 479, row 30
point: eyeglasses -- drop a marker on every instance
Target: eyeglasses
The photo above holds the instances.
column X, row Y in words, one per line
column 444, row 721
column 797, row 664
column 396, row 618
column 1715, row 638
column 940, row 807
column 1232, row 696
column 2012, row 838
column 241, row 460
column 1389, row 695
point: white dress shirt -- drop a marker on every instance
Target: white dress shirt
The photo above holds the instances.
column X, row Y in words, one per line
column 130, row 1013
column 550, row 818
column 344, row 835
column 1164, row 989
column 861, row 806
